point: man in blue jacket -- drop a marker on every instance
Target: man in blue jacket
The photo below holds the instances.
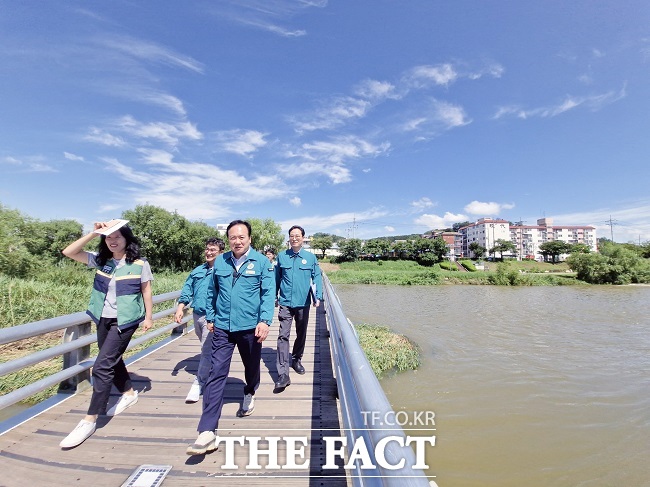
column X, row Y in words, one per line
column 195, row 294
column 299, row 282
column 240, row 303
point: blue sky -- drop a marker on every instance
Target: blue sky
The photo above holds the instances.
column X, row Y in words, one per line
column 359, row 118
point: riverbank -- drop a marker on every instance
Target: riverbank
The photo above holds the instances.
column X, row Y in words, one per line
column 409, row 273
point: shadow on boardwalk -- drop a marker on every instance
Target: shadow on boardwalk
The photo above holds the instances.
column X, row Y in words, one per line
column 157, row 430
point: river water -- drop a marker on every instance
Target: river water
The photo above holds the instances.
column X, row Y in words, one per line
column 531, row 386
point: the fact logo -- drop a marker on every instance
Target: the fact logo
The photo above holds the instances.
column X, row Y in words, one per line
column 336, row 447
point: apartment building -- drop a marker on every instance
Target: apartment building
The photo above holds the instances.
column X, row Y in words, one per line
column 527, row 238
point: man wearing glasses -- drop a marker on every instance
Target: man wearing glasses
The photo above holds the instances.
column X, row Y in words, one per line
column 299, row 282
column 195, row 293
column 239, row 310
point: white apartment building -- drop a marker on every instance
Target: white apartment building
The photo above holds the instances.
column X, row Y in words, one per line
column 527, row 238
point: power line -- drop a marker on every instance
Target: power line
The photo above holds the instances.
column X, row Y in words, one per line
column 611, row 224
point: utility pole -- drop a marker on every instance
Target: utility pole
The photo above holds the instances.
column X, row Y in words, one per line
column 354, row 226
column 611, row 226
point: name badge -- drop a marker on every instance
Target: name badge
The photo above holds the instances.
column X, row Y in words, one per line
column 250, row 272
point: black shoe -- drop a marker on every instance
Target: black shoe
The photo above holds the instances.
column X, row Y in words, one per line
column 297, row 366
column 283, row 381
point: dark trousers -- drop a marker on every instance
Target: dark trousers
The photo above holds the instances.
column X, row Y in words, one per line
column 109, row 368
column 286, row 316
column 223, row 346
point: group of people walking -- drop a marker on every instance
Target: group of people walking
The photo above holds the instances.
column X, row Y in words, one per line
column 233, row 296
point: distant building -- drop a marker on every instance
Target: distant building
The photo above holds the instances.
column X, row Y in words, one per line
column 452, row 241
column 527, row 238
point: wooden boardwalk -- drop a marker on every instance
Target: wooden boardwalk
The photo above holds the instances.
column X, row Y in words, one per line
column 157, row 430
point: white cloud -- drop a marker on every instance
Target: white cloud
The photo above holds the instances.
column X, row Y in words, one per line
column 630, row 223
column 495, row 70
column 102, row 137
column 108, row 208
column 164, row 132
column 295, row 201
column 266, row 14
column 422, row 204
column 330, row 157
column 189, row 187
column 320, row 223
column 148, row 51
column 72, row 157
column 376, row 90
column 29, row 164
column 11, row 160
column 332, row 114
column 422, row 76
column 487, row 208
column 336, row 173
column 241, row 142
column 592, row 102
column 450, row 115
column 435, row 222
column 389, row 229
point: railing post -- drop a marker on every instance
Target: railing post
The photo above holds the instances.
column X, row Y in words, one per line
column 80, row 381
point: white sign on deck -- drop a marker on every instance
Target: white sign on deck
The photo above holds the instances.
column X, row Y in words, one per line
column 148, row 476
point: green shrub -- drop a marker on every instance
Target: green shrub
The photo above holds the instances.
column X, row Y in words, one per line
column 387, row 351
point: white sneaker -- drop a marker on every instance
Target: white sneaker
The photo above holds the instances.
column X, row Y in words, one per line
column 248, row 405
column 125, row 401
column 205, row 443
column 194, row 394
column 78, row 435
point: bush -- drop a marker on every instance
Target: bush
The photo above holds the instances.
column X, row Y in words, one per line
column 468, row 264
column 387, row 351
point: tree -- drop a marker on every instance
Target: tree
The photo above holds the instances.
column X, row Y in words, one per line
column 350, row 249
column 579, row 248
column 428, row 251
column 477, row 250
column 502, row 246
column 614, row 264
column 48, row 239
column 15, row 258
column 322, row 243
column 554, row 249
column 457, row 226
column 403, row 249
column 266, row 233
column 376, row 247
column 168, row 240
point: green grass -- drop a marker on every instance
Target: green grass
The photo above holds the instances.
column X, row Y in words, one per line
column 409, row 273
column 387, row 351
column 58, row 291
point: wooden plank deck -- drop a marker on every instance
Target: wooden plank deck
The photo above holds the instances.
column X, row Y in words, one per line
column 157, row 430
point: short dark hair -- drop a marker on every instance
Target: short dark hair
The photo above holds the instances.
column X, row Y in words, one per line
column 270, row 249
column 302, row 230
column 238, row 222
column 215, row 241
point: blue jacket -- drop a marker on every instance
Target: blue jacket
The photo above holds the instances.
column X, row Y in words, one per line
column 195, row 289
column 239, row 300
column 294, row 277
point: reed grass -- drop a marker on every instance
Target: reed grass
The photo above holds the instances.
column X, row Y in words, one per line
column 387, row 351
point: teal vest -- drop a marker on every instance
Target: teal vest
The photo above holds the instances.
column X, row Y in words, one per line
column 130, row 304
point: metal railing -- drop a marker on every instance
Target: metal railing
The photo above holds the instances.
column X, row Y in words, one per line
column 362, row 398
column 75, row 349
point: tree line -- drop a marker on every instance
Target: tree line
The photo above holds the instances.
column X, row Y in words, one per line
column 171, row 242
column 168, row 240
